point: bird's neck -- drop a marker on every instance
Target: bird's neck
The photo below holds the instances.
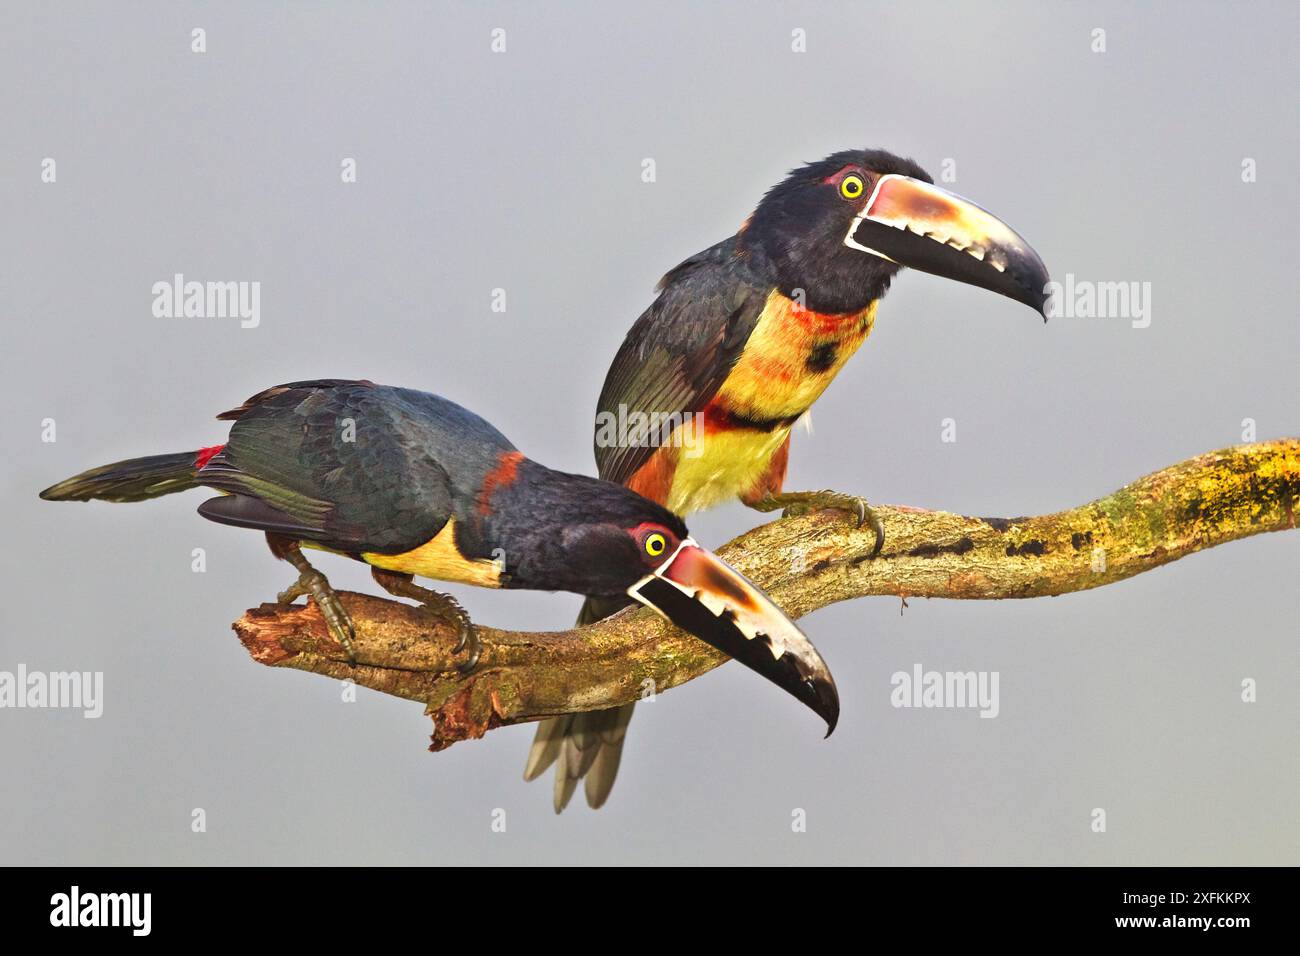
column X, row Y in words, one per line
column 527, row 524
column 829, row 281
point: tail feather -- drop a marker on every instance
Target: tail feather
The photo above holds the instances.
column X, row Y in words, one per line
column 136, row 479
column 604, row 768
column 546, row 747
column 588, row 745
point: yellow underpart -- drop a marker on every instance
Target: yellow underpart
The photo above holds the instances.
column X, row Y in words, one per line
column 732, row 462
column 438, row 558
column 771, row 380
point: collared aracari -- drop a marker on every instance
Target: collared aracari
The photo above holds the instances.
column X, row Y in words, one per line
column 746, row 335
column 413, row 484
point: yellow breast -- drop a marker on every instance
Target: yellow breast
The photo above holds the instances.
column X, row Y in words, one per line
column 790, row 358
column 440, row 559
column 729, row 463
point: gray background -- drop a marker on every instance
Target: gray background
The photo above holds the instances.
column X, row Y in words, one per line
column 522, row 171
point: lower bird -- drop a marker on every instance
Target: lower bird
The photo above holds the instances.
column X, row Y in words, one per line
column 414, row 484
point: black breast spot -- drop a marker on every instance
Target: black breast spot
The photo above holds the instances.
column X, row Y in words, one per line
column 822, row 357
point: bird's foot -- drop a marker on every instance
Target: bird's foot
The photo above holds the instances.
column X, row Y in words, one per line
column 312, row 582
column 806, row 502
column 451, row 611
column 291, row 593
column 446, row 607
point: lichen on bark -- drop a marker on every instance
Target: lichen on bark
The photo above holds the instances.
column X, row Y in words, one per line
column 805, row 563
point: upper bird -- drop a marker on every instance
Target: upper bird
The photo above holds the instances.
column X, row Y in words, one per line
column 411, row 483
column 744, row 337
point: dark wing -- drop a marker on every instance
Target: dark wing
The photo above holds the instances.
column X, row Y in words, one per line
column 267, row 394
column 681, row 349
column 344, row 464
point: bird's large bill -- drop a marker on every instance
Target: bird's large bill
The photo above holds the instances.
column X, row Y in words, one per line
column 703, row 595
column 923, row 227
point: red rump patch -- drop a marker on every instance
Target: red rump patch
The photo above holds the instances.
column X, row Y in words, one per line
column 205, row 455
column 503, row 474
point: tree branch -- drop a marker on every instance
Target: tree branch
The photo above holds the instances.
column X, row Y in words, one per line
column 804, row 563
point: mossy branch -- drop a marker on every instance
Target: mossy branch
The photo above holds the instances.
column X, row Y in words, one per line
column 805, row 563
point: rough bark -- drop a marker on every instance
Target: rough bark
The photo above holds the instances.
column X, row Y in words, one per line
column 804, row 563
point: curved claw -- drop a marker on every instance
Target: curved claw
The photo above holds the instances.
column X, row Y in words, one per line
column 879, row 528
column 860, row 507
column 474, row 654
column 865, row 514
column 468, row 638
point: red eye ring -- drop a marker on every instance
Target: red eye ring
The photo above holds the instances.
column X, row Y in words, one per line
column 653, row 540
column 851, row 182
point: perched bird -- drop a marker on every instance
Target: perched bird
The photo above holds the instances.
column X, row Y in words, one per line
column 740, row 341
column 413, row 484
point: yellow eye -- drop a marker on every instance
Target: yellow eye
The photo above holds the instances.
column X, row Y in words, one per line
column 851, row 187
column 655, row 544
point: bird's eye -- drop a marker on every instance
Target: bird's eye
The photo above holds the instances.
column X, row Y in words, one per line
column 851, row 187
column 655, row 544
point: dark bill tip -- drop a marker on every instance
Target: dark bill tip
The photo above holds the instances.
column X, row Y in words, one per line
column 798, row 671
column 923, row 227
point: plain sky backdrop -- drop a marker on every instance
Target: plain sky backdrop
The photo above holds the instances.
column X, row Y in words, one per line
column 522, row 170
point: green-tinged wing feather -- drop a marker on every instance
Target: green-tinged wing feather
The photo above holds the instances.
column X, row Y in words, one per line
column 680, row 350
column 349, row 461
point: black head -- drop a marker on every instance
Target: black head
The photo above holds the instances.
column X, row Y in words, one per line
column 838, row 230
column 562, row 532
column 801, row 223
